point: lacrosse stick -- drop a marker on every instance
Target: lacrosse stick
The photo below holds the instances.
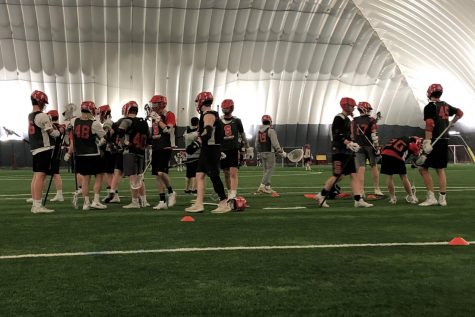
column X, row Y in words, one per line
column 76, row 193
column 55, row 157
column 137, row 184
column 295, row 155
column 423, row 157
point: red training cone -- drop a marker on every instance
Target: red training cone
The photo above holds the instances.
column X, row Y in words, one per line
column 458, row 241
column 310, row 196
column 187, row 219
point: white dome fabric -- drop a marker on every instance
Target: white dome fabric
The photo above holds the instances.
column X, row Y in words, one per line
column 293, row 59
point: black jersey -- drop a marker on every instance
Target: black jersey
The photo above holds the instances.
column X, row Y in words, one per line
column 341, row 131
column 232, row 129
column 440, row 112
column 84, row 138
column 217, row 134
column 363, row 126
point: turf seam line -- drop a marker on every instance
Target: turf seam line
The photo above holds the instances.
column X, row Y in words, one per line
column 236, row 248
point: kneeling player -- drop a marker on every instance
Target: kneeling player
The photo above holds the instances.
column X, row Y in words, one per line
column 393, row 159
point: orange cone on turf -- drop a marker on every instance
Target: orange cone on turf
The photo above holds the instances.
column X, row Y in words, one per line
column 458, row 241
column 187, row 219
column 275, row 194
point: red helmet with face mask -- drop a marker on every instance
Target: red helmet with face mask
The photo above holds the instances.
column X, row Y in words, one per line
column 129, row 105
column 415, row 145
column 88, row 106
column 227, row 106
column 348, row 104
column 104, row 112
column 364, row 107
column 40, row 98
column 158, row 102
column 266, row 118
column 204, row 98
column 434, row 88
column 53, row 114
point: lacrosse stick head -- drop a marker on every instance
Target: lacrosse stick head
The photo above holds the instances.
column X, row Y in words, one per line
column 238, row 203
column 295, row 155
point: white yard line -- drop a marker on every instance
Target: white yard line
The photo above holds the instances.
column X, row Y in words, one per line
column 237, row 248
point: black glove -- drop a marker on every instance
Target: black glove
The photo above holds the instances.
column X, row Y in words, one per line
column 193, row 147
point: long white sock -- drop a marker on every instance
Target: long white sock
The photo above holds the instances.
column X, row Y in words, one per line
column 97, row 198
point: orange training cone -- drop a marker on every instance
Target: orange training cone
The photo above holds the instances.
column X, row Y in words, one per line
column 310, row 196
column 275, row 194
column 458, row 241
column 187, row 219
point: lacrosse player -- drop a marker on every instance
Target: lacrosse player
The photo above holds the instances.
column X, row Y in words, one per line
column 436, row 117
column 365, row 133
column 134, row 134
column 393, row 157
column 163, row 142
column 88, row 136
column 190, row 136
column 117, row 149
column 343, row 161
column 307, row 157
column 108, row 156
column 234, row 141
column 267, row 145
column 58, row 182
column 41, row 133
column 209, row 140
column 68, row 115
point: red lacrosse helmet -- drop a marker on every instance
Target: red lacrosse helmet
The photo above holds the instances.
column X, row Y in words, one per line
column 53, row 114
column 88, row 106
column 434, row 88
column 160, row 100
column 129, row 105
column 238, row 203
column 266, row 117
column 40, row 97
column 104, row 112
column 415, row 145
column 203, row 98
column 364, row 107
column 347, row 104
column 227, row 106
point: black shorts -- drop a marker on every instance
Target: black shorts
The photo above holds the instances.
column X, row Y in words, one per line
column 231, row 159
column 42, row 162
column 89, row 165
column 439, row 157
column 343, row 164
column 109, row 162
column 119, row 161
column 307, row 160
column 209, row 161
column 365, row 152
column 391, row 165
column 161, row 161
column 191, row 167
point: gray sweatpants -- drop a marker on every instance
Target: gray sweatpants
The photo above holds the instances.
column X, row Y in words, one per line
column 268, row 163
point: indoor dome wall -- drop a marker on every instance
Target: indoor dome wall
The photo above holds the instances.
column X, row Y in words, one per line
column 291, row 59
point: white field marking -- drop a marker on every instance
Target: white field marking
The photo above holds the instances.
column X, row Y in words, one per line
column 277, row 208
column 237, row 248
column 311, row 191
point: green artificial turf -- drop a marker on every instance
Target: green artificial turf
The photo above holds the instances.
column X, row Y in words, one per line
column 355, row 281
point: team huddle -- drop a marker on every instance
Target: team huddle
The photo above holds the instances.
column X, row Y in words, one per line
column 111, row 150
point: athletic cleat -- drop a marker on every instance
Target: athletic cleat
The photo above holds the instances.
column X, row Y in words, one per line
column 378, row 192
column 393, row 200
column 132, row 205
column 362, row 204
column 29, row 200
column 41, row 210
column 223, row 207
column 442, row 201
column 321, row 201
column 161, row 205
column 195, row 208
column 116, row 199
column 98, row 205
column 109, row 198
column 412, row 199
column 144, row 203
column 57, row 198
column 430, row 200
column 86, row 207
column 172, row 199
